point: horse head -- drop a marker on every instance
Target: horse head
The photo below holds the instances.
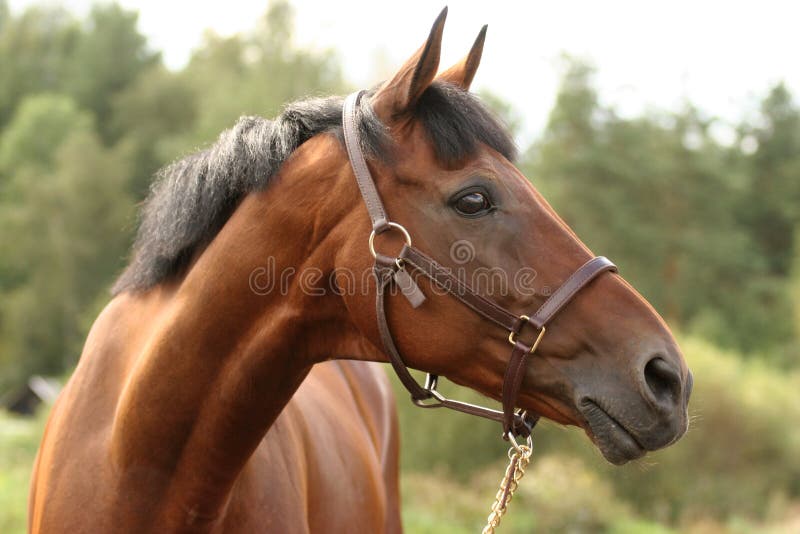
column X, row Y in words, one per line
column 443, row 166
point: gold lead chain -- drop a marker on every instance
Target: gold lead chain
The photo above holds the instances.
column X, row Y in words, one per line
column 519, row 458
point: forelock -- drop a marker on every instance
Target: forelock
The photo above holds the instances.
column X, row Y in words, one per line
column 456, row 123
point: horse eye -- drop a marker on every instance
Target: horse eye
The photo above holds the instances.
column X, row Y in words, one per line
column 472, row 204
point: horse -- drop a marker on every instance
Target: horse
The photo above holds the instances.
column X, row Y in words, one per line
column 231, row 384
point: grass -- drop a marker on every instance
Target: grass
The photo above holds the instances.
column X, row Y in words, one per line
column 19, row 439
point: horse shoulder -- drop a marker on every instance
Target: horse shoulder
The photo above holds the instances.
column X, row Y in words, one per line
column 333, row 449
column 74, row 451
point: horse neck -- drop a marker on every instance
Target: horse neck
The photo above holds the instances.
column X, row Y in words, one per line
column 224, row 356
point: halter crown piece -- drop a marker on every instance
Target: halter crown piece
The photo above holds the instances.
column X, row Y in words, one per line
column 390, row 270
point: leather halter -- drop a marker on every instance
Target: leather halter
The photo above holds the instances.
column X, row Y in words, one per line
column 388, row 270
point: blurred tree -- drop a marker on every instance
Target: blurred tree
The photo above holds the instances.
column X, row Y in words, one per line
column 64, row 234
column 769, row 213
column 503, row 109
column 772, row 210
column 156, row 107
column 660, row 196
column 109, row 56
column 794, row 288
column 40, row 125
column 45, row 49
column 99, row 115
column 165, row 114
column 35, row 48
column 254, row 73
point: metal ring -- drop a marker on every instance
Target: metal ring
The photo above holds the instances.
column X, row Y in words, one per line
column 517, row 447
column 396, row 226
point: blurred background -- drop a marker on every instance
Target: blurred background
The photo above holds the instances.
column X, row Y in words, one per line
column 667, row 136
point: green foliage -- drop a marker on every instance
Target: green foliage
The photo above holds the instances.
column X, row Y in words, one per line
column 47, row 50
column 53, row 219
column 39, row 127
column 774, row 169
column 700, row 229
column 157, row 107
column 87, row 115
column 794, row 288
column 35, row 52
column 558, row 494
column 108, row 57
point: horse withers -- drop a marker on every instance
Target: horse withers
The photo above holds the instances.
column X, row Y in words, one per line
column 201, row 402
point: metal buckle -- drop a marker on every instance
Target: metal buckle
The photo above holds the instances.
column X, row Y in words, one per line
column 396, row 226
column 431, row 381
column 512, row 336
column 437, row 401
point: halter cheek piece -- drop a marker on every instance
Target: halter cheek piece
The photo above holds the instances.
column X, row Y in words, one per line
column 388, row 270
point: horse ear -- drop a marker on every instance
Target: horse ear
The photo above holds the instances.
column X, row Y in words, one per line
column 462, row 73
column 400, row 94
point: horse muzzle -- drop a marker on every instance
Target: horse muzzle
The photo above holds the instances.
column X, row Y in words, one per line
column 625, row 428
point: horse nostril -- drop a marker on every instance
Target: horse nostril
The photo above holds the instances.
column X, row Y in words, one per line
column 662, row 380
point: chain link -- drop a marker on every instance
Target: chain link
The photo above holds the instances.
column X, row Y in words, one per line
column 519, row 458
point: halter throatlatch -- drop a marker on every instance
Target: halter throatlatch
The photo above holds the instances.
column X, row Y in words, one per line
column 390, row 270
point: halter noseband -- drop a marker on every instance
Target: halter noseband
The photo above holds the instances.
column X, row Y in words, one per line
column 388, row 270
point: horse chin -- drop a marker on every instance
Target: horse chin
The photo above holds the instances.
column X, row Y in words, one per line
column 617, row 444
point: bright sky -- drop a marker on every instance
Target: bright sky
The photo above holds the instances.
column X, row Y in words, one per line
column 721, row 55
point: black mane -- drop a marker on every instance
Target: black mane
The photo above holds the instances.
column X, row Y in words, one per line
column 192, row 198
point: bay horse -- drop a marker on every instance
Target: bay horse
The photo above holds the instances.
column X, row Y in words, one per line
column 201, row 402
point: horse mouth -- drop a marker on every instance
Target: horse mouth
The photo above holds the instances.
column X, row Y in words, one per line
column 617, row 444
